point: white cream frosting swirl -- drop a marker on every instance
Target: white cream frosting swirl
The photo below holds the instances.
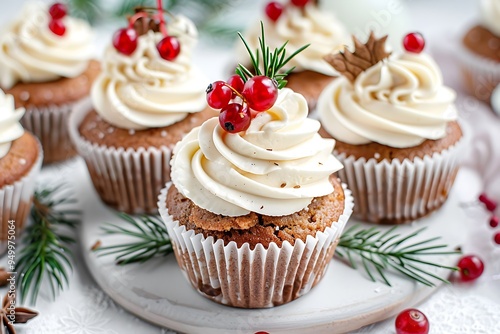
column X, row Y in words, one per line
column 490, row 10
column 10, row 128
column 399, row 102
column 300, row 26
column 30, row 52
column 144, row 90
column 276, row 167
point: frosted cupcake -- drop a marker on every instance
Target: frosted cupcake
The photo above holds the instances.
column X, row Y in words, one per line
column 45, row 63
column 253, row 199
column 147, row 98
column 480, row 55
column 396, row 129
column 300, row 23
column 20, row 162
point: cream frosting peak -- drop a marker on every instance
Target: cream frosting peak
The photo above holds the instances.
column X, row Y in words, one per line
column 490, row 10
column 30, row 52
column 301, row 26
column 10, row 128
column 399, row 102
column 276, row 167
column 144, row 90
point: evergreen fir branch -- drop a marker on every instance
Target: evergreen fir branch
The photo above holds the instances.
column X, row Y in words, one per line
column 272, row 62
column 45, row 254
column 381, row 251
column 150, row 239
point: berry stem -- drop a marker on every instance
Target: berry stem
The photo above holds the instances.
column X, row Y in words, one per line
column 163, row 28
column 236, row 92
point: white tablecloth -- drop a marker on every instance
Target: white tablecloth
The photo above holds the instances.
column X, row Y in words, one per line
column 459, row 308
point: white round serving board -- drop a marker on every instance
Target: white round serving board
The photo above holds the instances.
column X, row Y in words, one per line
column 343, row 301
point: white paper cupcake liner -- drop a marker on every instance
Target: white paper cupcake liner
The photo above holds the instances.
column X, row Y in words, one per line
column 481, row 75
column 50, row 125
column 128, row 180
column 253, row 278
column 393, row 192
column 15, row 202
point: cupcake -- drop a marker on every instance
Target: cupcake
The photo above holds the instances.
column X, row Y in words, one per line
column 254, row 211
column 45, row 64
column 148, row 96
column 396, row 129
column 480, row 54
column 300, row 23
column 20, row 162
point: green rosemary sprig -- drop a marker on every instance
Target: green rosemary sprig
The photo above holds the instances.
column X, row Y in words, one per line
column 381, row 251
column 272, row 62
column 46, row 254
column 151, row 239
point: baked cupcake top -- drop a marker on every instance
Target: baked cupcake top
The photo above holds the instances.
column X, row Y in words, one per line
column 396, row 100
column 37, row 47
column 276, row 167
column 139, row 88
column 299, row 25
column 10, row 128
column 490, row 12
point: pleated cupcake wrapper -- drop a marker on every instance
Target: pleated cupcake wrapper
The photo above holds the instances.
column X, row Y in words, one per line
column 258, row 278
column 128, row 180
column 15, row 202
column 50, row 125
column 482, row 75
column 393, row 192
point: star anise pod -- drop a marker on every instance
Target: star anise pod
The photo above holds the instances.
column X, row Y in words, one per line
column 351, row 64
column 20, row 315
column 143, row 24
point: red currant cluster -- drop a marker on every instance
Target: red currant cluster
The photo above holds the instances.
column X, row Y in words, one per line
column 125, row 39
column 414, row 42
column 236, row 98
column 57, row 12
column 491, row 206
column 274, row 9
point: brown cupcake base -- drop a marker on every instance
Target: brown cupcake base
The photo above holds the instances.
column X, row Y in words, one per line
column 310, row 84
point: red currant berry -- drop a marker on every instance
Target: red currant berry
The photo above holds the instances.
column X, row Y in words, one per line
column 237, row 83
column 496, row 238
column 260, row 92
column 490, row 204
column 169, row 48
column 125, row 41
column 414, row 42
column 261, row 332
column 471, row 267
column 300, row 3
column 494, row 221
column 58, row 11
column 57, row 27
column 218, row 95
column 234, row 118
column 274, row 10
column 412, row 321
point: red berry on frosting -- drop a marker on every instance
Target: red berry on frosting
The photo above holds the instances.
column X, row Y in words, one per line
column 412, row 321
column 300, row 3
column 125, row 41
column 234, row 118
column 57, row 27
column 237, row 83
column 414, row 42
column 494, row 220
column 218, row 95
column 57, row 11
column 260, row 92
column 169, row 48
column 471, row 267
column 274, row 10
column 490, row 204
column 496, row 238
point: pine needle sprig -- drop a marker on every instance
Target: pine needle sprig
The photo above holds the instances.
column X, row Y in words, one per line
column 151, row 239
column 46, row 254
column 380, row 251
column 272, row 62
